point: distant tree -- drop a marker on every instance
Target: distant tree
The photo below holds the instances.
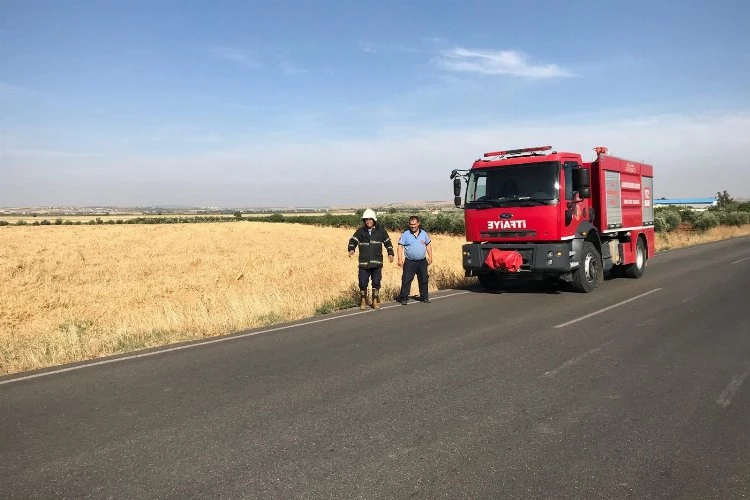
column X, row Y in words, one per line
column 724, row 199
column 238, row 215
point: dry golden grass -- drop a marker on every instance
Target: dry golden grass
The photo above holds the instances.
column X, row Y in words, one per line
column 72, row 293
column 680, row 239
column 79, row 292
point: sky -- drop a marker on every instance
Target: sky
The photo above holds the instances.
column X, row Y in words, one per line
column 300, row 103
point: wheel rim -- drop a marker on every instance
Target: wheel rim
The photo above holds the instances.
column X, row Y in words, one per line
column 639, row 257
column 589, row 268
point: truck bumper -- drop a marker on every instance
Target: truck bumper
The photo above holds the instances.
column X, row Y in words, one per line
column 538, row 258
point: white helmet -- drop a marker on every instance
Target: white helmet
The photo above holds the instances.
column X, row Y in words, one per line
column 369, row 214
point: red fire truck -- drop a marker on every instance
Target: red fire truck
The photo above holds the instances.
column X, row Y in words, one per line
column 544, row 214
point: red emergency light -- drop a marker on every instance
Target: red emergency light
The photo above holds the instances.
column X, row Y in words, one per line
column 600, row 150
column 517, row 151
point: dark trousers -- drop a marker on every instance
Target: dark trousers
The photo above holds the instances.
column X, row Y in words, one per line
column 412, row 267
column 376, row 273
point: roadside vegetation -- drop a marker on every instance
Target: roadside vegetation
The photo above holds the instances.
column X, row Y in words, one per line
column 679, row 227
column 448, row 221
column 80, row 292
column 74, row 292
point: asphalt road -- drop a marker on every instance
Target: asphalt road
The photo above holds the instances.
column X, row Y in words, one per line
column 639, row 390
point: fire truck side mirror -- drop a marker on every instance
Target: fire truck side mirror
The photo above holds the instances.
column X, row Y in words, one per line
column 581, row 179
column 457, row 201
column 456, row 186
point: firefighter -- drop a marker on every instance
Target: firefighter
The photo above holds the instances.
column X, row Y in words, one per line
column 370, row 238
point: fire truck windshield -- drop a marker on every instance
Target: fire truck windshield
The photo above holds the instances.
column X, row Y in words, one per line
column 514, row 185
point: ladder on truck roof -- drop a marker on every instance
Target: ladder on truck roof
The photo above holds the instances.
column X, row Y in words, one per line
column 535, row 151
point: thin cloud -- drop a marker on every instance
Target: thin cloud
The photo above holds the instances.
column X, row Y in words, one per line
column 387, row 48
column 7, row 89
column 139, row 52
column 505, row 62
column 249, row 59
column 289, row 68
column 235, row 55
column 683, row 150
column 43, row 153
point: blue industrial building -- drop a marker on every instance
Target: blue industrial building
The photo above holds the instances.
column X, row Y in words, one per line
column 693, row 203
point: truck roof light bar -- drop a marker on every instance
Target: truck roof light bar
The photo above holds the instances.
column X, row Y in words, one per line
column 517, row 151
column 600, row 150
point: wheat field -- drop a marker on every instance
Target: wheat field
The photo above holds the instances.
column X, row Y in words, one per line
column 73, row 293
column 79, row 292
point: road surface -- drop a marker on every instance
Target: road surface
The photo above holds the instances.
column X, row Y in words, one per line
column 639, row 390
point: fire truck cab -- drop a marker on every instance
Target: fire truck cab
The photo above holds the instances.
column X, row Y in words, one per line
column 543, row 214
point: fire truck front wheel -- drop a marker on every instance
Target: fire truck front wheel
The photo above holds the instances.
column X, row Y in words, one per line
column 589, row 271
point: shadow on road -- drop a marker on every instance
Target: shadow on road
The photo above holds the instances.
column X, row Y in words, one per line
column 524, row 286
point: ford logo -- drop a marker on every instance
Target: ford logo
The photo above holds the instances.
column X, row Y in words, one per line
column 506, row 215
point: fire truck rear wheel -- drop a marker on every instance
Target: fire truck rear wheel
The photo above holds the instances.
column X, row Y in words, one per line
column 589, row 271
column 636, row 270
column 491, row 281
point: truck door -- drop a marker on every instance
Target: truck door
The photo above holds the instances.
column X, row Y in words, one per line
column 571, row 210
column 568, row 206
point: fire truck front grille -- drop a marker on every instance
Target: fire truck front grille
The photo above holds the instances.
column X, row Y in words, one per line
column 508, row 234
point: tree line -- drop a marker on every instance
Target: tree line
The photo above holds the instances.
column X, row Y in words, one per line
column 728, row 212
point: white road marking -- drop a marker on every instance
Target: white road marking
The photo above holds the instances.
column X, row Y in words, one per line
column 198, row 344
column 575, row 360
column 725, row 398
column 562, row 325
column 741, row 260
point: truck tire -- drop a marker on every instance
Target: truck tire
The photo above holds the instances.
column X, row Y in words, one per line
column 490, row 281
column 636, row 269
column 589, row 271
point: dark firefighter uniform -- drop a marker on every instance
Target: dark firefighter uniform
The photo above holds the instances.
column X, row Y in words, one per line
column 371, row 244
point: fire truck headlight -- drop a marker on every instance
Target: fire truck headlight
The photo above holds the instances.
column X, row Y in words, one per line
column 550, row 254
column 559, row 253
column 549, row 262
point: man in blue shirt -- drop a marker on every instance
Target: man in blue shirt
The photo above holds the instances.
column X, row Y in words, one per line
column 414, row 255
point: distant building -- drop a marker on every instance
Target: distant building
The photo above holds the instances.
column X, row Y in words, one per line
column 692, row 203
